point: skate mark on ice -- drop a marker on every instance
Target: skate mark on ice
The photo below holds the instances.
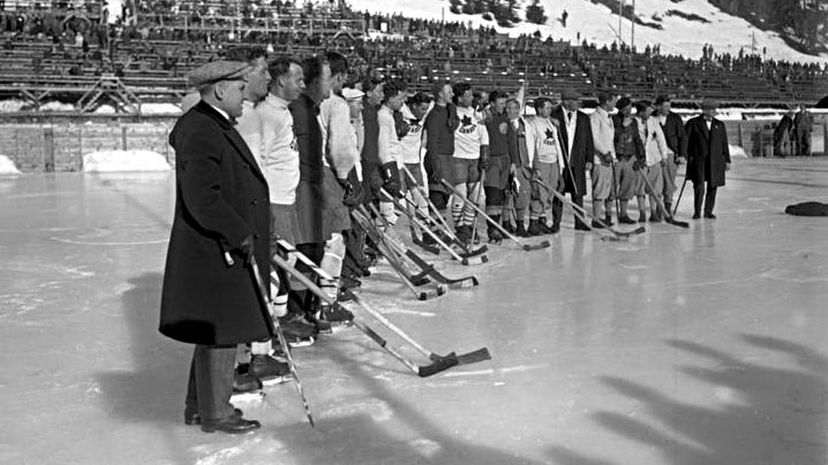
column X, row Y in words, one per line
column 492, row 371
column 124, row 243
column 378, row 409
column 796, row 276
column 634, row 267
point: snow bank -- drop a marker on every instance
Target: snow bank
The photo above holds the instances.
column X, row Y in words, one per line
column 736, row 151
column 111, row 161
column 7, row 166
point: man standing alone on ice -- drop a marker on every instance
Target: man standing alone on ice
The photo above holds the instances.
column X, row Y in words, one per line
column 708, row 157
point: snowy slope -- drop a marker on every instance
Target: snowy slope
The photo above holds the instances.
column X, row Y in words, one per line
column 596, row 23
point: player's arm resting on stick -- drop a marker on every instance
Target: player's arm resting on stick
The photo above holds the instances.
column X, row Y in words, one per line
column 199, row 174
column 389, row 171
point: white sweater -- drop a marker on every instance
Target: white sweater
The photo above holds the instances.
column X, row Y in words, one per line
column 338, row 136
column 280, row 152
column 655, row 145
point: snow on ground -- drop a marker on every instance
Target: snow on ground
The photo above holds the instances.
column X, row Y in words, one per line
column 7, row 166
column 596, row 23
column 111, row 161
column 736, row 151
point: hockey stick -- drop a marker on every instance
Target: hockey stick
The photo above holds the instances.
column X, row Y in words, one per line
column 475, row 258
column 423, row 371
column 615, row 193
column 668, row 218
column 440, row 362
column 274, row 329
column 448, row 239
column 477, row 202
column 442, row 225
column 459, row 283
column 526, row 247
column 362, row 218
column 583, row 214
column 471, row 357
column 681, row 192
column 609, row 235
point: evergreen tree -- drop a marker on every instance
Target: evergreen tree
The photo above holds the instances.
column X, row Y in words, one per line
column 535, row 13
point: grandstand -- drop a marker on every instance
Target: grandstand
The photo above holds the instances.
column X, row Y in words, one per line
column 67, row 51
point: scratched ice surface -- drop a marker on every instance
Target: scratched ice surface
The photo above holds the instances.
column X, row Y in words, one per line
column 706, row 346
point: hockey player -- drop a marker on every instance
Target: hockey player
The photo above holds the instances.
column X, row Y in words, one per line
column 603, row 136
column 411, row 144
column 523, row 166
column 340, row 158
column 543, row 140
column 655, row 151
column 280, row 165
column 390, row 150
column 471, row 156
column 250, row 127
column 501, row 160
column 440, row 125
column 628, row 150
column 673, row 129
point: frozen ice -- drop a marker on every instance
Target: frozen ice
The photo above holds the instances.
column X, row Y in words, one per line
column 700, row 346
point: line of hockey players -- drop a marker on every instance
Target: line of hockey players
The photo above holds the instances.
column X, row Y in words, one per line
column 328, row 146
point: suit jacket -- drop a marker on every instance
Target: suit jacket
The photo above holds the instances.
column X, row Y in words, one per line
column 221, row 198
column 673, row 129
column 706, row 147
column 581, row 152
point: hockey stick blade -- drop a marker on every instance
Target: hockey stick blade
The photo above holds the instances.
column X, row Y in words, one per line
column 433, row 293
column 675, row 222
column 479, row 355
column 538, row 246
column 442, row 364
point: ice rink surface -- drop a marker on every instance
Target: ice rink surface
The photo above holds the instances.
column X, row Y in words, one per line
column 704, row 346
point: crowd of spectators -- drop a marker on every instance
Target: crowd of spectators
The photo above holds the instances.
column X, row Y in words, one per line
column 173, row 36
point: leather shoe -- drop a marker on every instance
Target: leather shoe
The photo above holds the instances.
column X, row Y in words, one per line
column 555, row 228
column 710, row 216
column 596, row 225
column 582, row 227
column 230, row 425
column 191, row 417
column 626, row 220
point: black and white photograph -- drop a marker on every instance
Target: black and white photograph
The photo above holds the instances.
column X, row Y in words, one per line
column 410, row 232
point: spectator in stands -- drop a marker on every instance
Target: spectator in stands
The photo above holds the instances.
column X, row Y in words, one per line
column 576, row 135
column 803, row 127
column 708, row 158
column 673, row 128
column 784, row 137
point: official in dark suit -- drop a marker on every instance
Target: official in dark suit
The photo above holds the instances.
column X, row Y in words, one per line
column 576, row 134
column 708, row 157
column 673, row 128
column 221, row 207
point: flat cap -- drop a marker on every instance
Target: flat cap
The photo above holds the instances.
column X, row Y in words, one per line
column 349, row 93
column 216, row 71
column 570, row 95
column 709, row 105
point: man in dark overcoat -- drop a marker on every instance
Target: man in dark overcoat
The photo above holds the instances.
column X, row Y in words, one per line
column 708, row 157
column 221, row 211
column 576, row 135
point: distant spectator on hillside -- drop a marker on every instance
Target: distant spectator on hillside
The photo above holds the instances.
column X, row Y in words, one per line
column 803, row 127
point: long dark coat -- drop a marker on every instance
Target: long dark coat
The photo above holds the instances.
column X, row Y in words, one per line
column 707, row 151
column 221, row 198
column 674, row 134
column 582, row 151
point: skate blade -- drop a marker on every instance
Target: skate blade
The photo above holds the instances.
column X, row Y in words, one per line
column 276, row 380
column 302, row 343
column 246, row 397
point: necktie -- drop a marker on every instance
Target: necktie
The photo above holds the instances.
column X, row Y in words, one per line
column 569, row 116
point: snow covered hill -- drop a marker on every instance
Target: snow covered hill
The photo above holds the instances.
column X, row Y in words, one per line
column 596, row 23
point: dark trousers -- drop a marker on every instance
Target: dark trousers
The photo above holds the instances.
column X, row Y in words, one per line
column 211, row 381
column 708, row 197
column 301, row 301
column 557, row 210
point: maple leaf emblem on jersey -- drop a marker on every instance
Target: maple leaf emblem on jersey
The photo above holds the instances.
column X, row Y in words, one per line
column 550, row 134
column 467, row 121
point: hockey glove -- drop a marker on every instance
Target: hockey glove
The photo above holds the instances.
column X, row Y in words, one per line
column 391, row 178
column 246, row 249
column 638, row 164
column 483, row 164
